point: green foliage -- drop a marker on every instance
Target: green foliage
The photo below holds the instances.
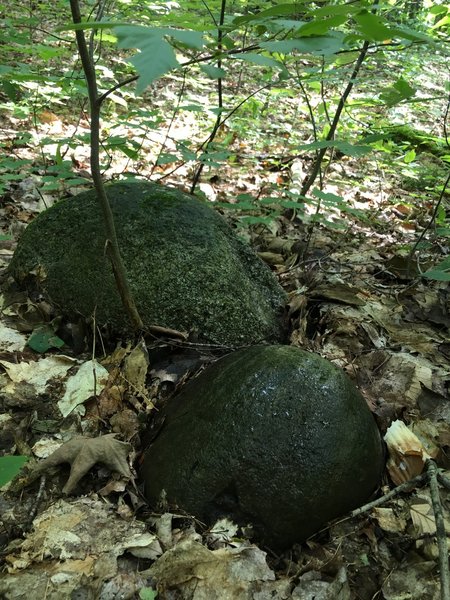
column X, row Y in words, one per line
column 440, row 272
column 10, row 467
column 147, row 594
column 43, row 338
column 282, row 66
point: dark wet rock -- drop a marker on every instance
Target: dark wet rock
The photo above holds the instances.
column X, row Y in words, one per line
column 186, row 267
column 270, row 435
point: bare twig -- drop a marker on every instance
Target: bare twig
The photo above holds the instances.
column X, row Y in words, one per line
column 337, row 115
column 441, row 535
column 218, row 122
column 404, row 487
column 36, row 504
column 431, row 220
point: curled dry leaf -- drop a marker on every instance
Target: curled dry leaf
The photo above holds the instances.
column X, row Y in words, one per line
column 83, row 453
column 407, row 454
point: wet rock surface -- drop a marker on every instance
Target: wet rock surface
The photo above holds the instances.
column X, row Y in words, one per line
column 270, row 435
column 186, row 267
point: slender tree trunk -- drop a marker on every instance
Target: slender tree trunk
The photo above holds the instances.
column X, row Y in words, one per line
column 95, row 102
column 342, row 100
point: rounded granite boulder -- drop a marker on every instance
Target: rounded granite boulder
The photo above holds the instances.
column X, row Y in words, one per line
column 271, row 436
column 186, row 267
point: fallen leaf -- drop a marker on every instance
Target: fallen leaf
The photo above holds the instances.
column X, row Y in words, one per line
column 83, row 453
column 422, row 515
column 36, row 375
column 10, row 339
column 72, row 549
column 407, row 454
column 135, row 369
column 388, row 520
column 89, row 380
column 189, row 570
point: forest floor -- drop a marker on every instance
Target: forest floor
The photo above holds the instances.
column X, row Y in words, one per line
column 354, row 297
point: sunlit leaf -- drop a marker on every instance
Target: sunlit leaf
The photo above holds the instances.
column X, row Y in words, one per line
column 156, row 56
column 409, row 156
column 372, row 27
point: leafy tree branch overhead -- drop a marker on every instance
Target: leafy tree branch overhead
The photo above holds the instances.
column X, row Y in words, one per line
column 224, row 238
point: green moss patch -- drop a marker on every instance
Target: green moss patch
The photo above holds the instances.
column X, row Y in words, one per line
column 186, row 267
column 270, row 435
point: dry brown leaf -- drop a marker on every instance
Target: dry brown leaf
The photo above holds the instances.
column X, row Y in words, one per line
column 83, row 453
column 388, row 520
column 407, row 454
column 422, row 515
column 135, row 369
column 74, row 550
column 189, row 570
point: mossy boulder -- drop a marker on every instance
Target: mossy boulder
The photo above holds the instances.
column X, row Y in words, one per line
column 186, row 267
column 270, row 435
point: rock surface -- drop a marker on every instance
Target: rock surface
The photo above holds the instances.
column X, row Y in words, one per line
column 186, row 267
column 270, row 435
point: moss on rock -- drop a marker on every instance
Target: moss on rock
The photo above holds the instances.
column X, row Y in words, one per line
column 186, row 267
column 270, row 435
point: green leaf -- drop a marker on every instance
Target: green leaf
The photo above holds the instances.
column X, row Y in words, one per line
column 166, row 159
column 276, row 11
column 409, row 157
column 372, row 27
column 329, row 10
column 11, row 90
column 90, row 25
column 438, row 9
column 156, row 57
column 187, row 154
column 213, row 72
column 399, row 91
column 441, row 272
column 128, row 147
column 43, row 338
column 444, row 21
column 193, row 39
column 259, row 59
column 10, row 467
column 147, row 593
column 352, row 149
column 411, row 34
column 328, row 197
column 320, row 45
column 321, row 26
column 193, row 107
column 376, row 29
